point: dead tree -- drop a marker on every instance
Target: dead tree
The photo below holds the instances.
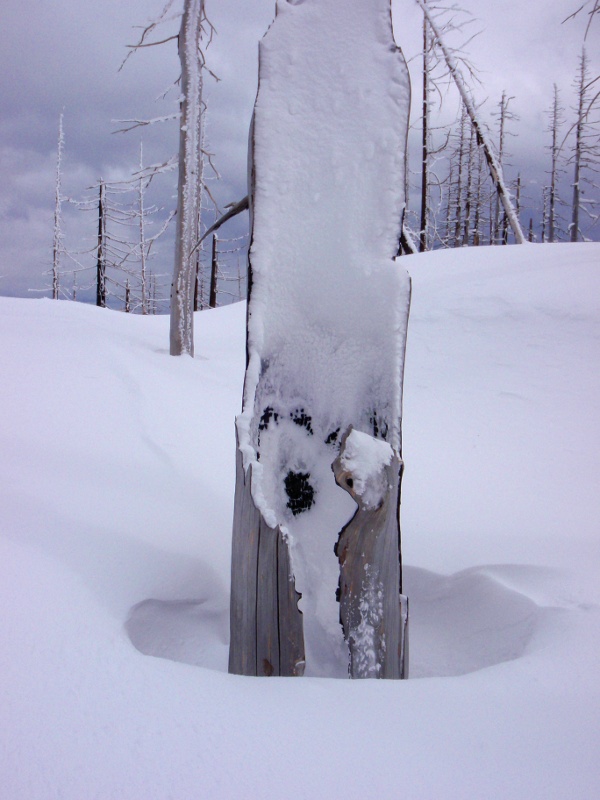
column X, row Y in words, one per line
column 500, row 222
column 189, row 187
column 190, row 161
column 327, row 317
column 586, row 150
column 469, row 189
column 494, row 167
column 425, row 140
column 461, row 171
column 101, row 248
column 434, row 80
column 214, row 270
column 57, row 247
column 556, row 122
column 578, row 149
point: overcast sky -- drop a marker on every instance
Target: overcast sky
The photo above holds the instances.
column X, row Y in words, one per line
column 65, row 55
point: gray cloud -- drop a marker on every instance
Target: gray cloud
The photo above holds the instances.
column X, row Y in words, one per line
column 66, row 54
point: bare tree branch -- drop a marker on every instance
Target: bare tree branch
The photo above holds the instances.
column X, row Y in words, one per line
column 148, row 30
column 139, row 123
column 235, row 209
column 153, row 44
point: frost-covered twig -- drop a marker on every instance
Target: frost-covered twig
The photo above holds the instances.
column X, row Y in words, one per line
column 162, row 17
column 138, row 123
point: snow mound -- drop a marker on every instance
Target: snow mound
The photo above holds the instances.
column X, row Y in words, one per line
column 459, row 624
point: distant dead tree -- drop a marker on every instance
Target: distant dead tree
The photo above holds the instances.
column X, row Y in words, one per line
column 585, row 157
column 556, row 122
column 194, row 26
column 58, row 246
column 495, row 169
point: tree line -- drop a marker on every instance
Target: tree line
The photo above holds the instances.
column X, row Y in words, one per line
column 465, row 197
column 459, row 204
column 117, row 265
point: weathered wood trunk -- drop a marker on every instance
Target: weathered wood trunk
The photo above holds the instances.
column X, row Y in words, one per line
column 326, row 331
column 266, row 625
column 373, row 612
column 189, row 186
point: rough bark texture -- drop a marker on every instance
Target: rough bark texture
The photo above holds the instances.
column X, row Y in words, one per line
column 317, row 261
column 373, row 612
column 266, row 624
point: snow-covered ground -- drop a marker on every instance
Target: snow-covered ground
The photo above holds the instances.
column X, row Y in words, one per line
column 117, row 477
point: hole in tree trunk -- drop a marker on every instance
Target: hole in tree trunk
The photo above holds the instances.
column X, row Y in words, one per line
column 301, row 494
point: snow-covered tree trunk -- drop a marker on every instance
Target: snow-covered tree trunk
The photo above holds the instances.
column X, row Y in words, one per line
column 581, row 86
column 503, row 108
column 425, row 141
column 471, row 169
column 214, row 271
column 316, row 579
column 190, row 181
column 58, row 233
column 555, row 124
column 460, row 181
column 142, row 235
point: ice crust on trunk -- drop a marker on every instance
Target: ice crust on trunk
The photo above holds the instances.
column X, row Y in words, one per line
column 328, row 307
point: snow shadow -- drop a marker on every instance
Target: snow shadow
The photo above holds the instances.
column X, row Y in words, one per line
column 190, row 631
column 458, row 624
column 468, row 621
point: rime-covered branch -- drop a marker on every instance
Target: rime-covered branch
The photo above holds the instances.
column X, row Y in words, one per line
column 149, row 29
column 139, row 123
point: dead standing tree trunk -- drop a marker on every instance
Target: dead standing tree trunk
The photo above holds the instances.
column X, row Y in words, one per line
column 327, row 317
column 494, row 166
column 190, row 181
column 101, row 248
column 57, row 248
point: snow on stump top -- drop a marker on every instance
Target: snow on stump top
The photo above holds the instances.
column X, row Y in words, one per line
column 327, row 318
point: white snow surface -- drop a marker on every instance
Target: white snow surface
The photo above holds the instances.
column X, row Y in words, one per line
column 327, row 321
column 117, row 480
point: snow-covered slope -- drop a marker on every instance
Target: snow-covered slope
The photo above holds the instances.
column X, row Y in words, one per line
column 117, row 477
